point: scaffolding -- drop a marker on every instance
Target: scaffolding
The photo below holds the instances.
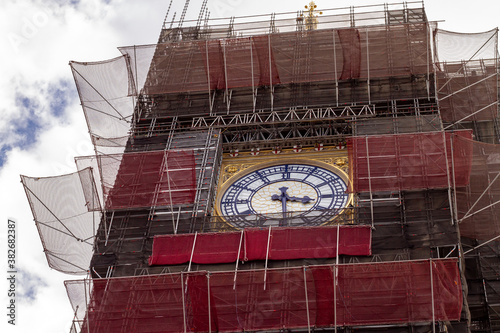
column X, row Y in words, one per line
column 300, row 297
column 414, row 109
column 228, row 85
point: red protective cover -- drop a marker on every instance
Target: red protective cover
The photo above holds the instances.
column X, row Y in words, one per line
column 284, row 244
column 410, row 161
column 157, row 178
column 318, row 296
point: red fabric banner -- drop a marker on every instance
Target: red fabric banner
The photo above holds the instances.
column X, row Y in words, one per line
column 157, row 178
column 210, row 248
column 410, row 161
column 197, row 295
column 284, row 244
column 318, row 296
column 214, row 64
column 351, row 48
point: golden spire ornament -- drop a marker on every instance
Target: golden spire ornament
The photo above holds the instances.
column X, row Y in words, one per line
column 311, row 18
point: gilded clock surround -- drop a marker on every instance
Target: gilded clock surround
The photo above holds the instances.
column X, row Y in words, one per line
column 234, row 167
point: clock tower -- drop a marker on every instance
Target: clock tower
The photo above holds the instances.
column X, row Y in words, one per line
column 326, row 171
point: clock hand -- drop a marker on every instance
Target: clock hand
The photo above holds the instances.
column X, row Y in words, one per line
column 304, row 200
column 283, row 197
column 283, row 192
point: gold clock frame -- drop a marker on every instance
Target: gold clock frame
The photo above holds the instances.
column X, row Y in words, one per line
column 233, row 168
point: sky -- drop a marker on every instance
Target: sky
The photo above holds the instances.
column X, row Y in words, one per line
column 42, row 126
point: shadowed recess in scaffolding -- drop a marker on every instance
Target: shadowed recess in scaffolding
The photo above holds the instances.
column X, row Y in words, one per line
column 363, row 294
column 66, row 210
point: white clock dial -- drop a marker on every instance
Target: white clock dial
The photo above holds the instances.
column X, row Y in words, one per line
column 261, row 204
column 285, row 191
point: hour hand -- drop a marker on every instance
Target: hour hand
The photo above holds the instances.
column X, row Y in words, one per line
column 304, row 199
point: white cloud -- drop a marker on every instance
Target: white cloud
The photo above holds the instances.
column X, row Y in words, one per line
column 45, row 129
column 39, row 37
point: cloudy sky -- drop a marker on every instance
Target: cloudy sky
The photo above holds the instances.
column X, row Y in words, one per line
column 42, row 127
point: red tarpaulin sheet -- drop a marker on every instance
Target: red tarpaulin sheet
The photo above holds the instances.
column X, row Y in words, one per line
column 284, row 244
column 288, row 58
column 232, row 62
column 321, row 296
column 146, row 179
column 351, row 48
column 410, row 161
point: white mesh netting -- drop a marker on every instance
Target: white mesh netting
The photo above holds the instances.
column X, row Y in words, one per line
column 106, row 89
column 66, row 210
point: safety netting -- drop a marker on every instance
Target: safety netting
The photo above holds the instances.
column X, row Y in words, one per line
column 90, row 162
column 148, row 179
column 292, row 57
column 478, row 203
column 326, row 18
column 250, row 300
column 467, row 75
column 140, row 57
column 106, row 89
column 260, row 244
column 66, row 210
column 456, row 46
column 410, row 161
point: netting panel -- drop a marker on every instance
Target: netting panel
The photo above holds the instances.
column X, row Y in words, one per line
column 285, row 244
column 140, row 61
column 292, row 57
column 468, row 90
column 78, row 294
column 366, row 294
column 480, row 198
column 408, row 161
column 105, row 90
column 66, row 212
column 147, row 179
column 147, row 304
column 456, row 46
column 84, row 162
column 399, row 292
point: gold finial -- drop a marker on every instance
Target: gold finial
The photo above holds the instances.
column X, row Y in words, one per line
column 311, row 18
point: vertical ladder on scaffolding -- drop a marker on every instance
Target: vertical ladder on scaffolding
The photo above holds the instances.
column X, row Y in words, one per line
column 201, row 178
column 163, row 169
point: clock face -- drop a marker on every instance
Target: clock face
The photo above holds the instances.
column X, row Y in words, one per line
column 284, row 194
